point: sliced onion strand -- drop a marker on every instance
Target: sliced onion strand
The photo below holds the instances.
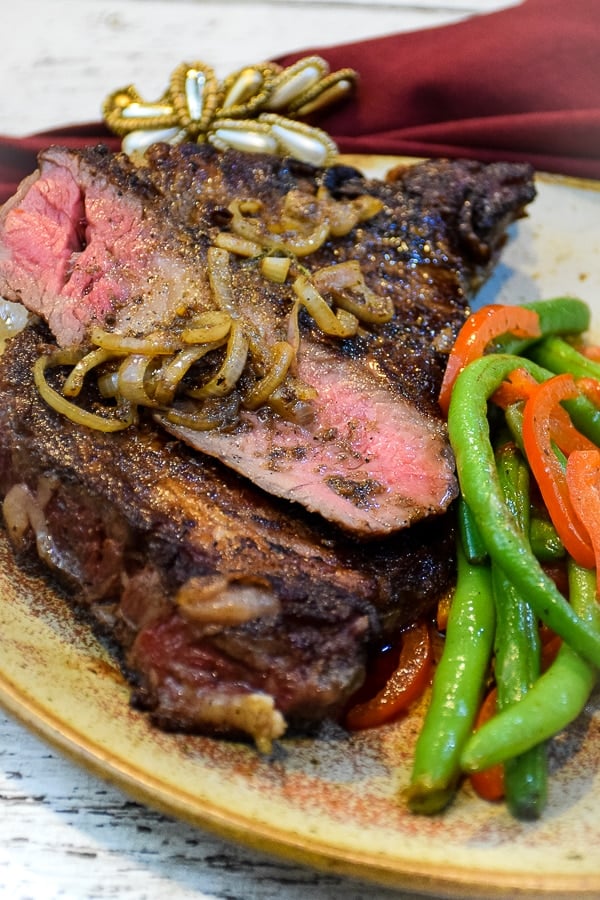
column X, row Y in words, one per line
column 65, row 407
column 233, row 365
column 282, row 355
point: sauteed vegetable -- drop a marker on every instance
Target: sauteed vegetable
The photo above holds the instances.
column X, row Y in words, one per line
column 521, row 653
column 558, row 453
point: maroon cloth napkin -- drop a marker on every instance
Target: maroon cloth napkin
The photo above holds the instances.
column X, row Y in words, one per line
column 520, row 84
column 18, row 156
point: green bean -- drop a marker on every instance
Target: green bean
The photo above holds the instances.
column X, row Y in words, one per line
column 517, row 646
column 558, row 315
column 544, row 540
column 556, row 699
column 513, row 479
column 559, row 356
column 517, row 664
column 472, row 543
column 585, row 415
column 513, row 416
column 457, row 690
column 470, row 438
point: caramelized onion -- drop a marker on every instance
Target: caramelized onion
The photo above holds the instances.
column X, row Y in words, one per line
column 225, row 601
column 15, row 511
column 275, row 268
column 25, row 509
column 155, row 344
column 219, row 277
column 293, row 330
column 174, row 370
column 282, row 355
column 339, row 324
column 13, row 319
column 344, row 216
column 342, row 219
column 252, row 713
column 294, row 242
column 233, row 365
column 59, row 403
column 210, row 326
column 233, row 243
column 74, row 381
column 108, row 383
column 206, row 416
column 346, row 283
column 292, row 400
column 368, row 206
column 131, row 379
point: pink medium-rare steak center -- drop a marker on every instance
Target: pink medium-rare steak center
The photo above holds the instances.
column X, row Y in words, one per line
column 78, row 251
column 368, row 460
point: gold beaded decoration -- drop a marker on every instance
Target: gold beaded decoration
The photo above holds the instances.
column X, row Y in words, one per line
column 255, row 109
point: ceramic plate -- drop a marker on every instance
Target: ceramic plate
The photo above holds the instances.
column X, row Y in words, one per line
column 333, row 802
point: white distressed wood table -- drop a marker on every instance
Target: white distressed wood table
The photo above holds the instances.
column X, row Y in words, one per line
column 64, row 833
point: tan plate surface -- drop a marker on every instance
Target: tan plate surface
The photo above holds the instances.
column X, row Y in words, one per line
column 332, row 802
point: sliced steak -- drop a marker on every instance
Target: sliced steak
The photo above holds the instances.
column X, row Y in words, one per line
column 91, row 239
column 83, row 241
column 370, row 462
column 234, row 611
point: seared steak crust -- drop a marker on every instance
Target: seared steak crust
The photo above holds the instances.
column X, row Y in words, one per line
column 442, row 227
column 235, row 610
column 232, row 612
column 94, row 239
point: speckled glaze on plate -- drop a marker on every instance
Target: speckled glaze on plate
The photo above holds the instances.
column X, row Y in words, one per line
column 331, row 802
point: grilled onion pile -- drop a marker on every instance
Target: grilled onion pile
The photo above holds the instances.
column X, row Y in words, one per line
column 207, row 366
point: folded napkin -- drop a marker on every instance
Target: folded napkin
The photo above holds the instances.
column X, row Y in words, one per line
column 520, row 84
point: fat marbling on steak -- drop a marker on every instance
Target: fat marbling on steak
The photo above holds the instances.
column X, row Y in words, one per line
column 236, row 611
column 91, row 239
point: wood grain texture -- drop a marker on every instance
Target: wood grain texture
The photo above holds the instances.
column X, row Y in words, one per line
column 64, row 833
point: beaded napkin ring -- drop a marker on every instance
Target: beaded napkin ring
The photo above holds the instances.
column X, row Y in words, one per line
column 255, row 109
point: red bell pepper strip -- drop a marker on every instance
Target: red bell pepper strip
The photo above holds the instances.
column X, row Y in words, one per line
column 564, row 434
column 405, row 685
column 489, row 783
column 538, row 417
column 487, row 324
column 557, row 571
column 590, row 387
column 592, row 352
column 549, row 651
column 550, row 642
column 583, row 482
column 514, row 389
column 520, row 385
column 443, row 611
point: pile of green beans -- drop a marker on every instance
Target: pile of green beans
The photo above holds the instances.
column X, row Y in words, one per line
column 503, row 593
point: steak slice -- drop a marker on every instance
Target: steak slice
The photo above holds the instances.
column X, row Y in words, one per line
column 368, row 461
column 235, row 612
column 92, row 239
